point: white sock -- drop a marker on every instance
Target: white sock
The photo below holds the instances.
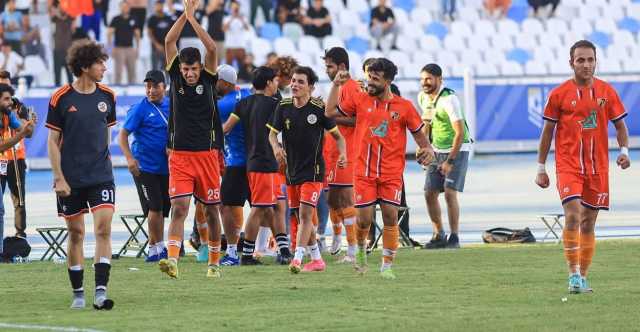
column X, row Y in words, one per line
column 385, row 266
column 299, row 253
column 315, row 252
column 160, row 246
column 351, row 250
column 262, row 241
column 232, row 250
column 152, row 249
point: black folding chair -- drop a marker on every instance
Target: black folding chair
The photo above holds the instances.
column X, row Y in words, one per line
column 54, row 237
column 138, row 237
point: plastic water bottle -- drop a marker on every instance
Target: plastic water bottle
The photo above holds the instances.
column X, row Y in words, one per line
column 21, row 92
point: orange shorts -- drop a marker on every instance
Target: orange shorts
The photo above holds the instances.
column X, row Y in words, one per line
column 307, row 193
column 340, row 177
column 369, row 191
column 195, row 173
column 262, row 188
column 593, row 189
column 279, row 182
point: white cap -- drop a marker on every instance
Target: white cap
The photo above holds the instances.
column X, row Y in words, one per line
column 227, row 74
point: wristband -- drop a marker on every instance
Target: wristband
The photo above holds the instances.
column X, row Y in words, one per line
column 624, row 150
column 541, row 169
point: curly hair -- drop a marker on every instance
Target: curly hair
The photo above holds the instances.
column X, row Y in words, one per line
column 83, row 53
column 284, row 66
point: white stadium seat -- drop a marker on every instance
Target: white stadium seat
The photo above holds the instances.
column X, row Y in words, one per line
column 544, row 54
column 581, row 25
column 559, row 68
column 423, row 57
column 502, row 42
column 461, row 28
column 551, row 40
column 398, row 57
column 532, row 26
column 484, row 28
column 420, row 17
column 478, row 42
column 412, row 70
column 590, row 11
column 494, row 56
column 631, row 65
column 606, row 24
column 609, row 66
column 511, row 68
column 358, row 5
column 486, row 69
column 624, row 37
column 309, row 45
column 430, row 43
column 468, row 14
column 284, row 46
column 535, row 68
column 454, row 43
column 406, row 44
column 508, row 27
column 471, row 57
column 332, row 41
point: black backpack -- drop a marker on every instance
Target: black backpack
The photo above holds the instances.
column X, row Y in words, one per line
column 15, row 246
column 507, row 235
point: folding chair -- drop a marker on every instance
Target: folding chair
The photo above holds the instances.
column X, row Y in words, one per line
column 405, row 240
column 138, row 238
column 553, row 223
column 54, row 237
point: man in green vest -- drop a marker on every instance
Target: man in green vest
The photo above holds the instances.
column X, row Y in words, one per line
column 446, row 126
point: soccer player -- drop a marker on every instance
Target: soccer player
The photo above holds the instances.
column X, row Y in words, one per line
column 302, row 121
column 148, row 121
column 445, row 122
column 195, row 140
column 254, row 112
column 340, row 180
column 382, row 120
column 235, row 185
column 81, row 114
column 578, row 111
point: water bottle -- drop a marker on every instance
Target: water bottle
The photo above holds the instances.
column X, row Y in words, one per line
column 21, row 92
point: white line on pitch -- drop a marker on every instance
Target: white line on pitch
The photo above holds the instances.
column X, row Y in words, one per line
column 45, row 327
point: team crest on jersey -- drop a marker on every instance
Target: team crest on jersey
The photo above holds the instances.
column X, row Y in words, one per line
column 602, row 102
column 380, row 130
column 181, row 91
column 566, row 190
column 102, row 106
column 312, row 119
column 199, row 89
column 395, row 115
column 590, row 122
column 573, row 103
column 287, row 123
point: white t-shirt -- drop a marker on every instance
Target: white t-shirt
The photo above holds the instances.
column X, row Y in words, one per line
column 14, row 61
column 236, row 35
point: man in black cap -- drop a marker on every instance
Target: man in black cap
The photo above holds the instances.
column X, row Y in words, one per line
column 147, row 158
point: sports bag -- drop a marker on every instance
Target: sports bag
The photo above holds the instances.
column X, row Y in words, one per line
column 507, row 235
column 15, row 246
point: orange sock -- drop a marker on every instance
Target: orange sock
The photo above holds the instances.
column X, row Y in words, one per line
column 214, row 252
column 570, row 239
column 389, row 243
column 201, row 224
column 349, row 219
column 293, row 227
column 173, row 246
column 336, row 221
column 587, row 249
column 362, row 234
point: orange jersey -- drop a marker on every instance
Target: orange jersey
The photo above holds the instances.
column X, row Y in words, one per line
column 582, row 115
column 381, row 131
column 7, row 134
column 347, row 91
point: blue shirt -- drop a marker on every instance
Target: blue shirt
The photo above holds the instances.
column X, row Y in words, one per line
column 14, row 122
column 148, row 122
column 15, row 18
column 234, row 148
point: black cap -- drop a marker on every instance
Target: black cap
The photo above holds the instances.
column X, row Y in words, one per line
column 154, row 76
column 338, row 55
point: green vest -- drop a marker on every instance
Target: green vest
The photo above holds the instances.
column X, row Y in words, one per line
column 442, row 132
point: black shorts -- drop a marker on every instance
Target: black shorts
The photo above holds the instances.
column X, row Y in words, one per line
column 82, row 200
column 153, row 192
column 235, row 186
column 13, row 181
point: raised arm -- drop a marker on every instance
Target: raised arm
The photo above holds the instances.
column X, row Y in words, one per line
column 171, row 40
column 331, row 108
column 211, row 59
column 542, row 178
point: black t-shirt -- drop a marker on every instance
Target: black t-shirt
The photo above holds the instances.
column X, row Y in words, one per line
column 215, row 25
column 124, row 30
column 313, row 13
column 195, row 121
column 255, row 111
column 160, row 26
column 381, row 14
column 84, row 121
column 302, row 138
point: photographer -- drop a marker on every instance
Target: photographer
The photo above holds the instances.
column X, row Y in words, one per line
column 13, row 165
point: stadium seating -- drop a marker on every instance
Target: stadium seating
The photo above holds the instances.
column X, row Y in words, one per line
column 516, row 45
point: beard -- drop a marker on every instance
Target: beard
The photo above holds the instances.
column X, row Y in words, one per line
column 374, row 91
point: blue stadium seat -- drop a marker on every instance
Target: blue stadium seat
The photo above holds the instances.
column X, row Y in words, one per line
column 358, row 45
column 601, row 39
column 270, row 31
column 630, row 24
column 437, row 29
column 518, row 12
column 407, row 5
column 365, row 17
column 519, row 55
